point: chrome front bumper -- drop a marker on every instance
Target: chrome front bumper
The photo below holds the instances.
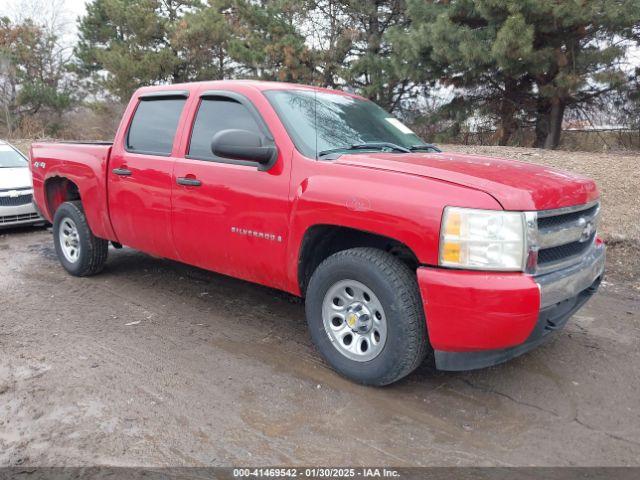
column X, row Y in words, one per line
column 562, row 293
column 568, row 282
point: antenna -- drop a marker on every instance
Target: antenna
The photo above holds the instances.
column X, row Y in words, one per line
column 315, row 115
column 313, row 80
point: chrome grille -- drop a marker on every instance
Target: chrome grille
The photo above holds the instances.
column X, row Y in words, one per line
column 564, row 236
column 564, row 218
column 555, row 254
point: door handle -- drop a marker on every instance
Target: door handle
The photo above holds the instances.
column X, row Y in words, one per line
column 189, row 182
column 123, row 172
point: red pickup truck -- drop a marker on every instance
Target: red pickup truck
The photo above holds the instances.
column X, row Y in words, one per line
column 400, row 250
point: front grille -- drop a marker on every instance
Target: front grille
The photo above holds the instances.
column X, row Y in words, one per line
column 558, row 220
column 16, row 201
column 565, row 236
column 562, row 252
column 18, row 218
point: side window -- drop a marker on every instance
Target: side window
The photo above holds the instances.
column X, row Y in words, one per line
column 214, row 115
column 154, row 126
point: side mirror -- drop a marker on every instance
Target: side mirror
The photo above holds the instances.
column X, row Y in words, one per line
column 243, row 145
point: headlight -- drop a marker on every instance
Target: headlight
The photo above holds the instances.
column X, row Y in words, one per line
column 482, row 239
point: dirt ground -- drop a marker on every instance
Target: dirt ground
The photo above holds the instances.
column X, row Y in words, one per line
column 155, row 363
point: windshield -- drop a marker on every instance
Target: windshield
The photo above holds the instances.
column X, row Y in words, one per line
column 10, row 158
column 340, row 121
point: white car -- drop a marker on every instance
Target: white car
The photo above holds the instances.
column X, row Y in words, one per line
column 16, row 189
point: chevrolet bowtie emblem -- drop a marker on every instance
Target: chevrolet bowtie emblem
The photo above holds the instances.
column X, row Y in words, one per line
column 587, row 231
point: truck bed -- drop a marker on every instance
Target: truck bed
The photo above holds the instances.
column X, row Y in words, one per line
column 85, row 164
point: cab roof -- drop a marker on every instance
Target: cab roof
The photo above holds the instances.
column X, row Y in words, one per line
column 259, row 85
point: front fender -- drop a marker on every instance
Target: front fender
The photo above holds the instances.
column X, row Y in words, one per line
column 403, row 207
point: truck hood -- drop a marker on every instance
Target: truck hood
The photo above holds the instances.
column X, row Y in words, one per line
column 516, row 185
column 15, row 178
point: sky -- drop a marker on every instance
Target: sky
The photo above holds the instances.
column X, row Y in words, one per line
column 61, row 14
column 71, row 8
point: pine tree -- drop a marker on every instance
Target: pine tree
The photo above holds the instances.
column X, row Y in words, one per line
column 520, row 60
column 125, row 44
column 351, row 49
column 202, row 39
column 268, row 44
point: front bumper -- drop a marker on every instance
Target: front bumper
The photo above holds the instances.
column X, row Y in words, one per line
column 479, row 319
column 19, row 216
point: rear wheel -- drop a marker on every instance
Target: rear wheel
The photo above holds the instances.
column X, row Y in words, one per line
column 80, row 252
column 365, row 316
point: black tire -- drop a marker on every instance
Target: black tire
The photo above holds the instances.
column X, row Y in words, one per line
column 396, row 287
column 93, row 251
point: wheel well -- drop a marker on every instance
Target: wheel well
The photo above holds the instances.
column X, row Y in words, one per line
column 322, row 241
column 58, row 191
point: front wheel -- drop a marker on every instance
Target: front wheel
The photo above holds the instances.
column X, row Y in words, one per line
column 365, row 316
column 80, row 252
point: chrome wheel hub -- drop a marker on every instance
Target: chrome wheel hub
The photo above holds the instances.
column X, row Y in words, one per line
column 354, row 320
column 69, row 240
column 358, row 317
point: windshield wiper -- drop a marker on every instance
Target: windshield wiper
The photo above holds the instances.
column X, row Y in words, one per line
column 384, row 146
column 429, row 147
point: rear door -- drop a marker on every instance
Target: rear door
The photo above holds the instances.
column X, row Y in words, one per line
column 233, row 218
column 140, row 174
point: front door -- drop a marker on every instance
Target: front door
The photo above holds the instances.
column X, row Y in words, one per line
column 140, row 176
column 229, row 216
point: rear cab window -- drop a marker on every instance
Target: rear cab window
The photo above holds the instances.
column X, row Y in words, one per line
column 154, row 125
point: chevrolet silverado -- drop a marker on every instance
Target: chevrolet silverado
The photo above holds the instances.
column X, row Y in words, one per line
column 401, row 251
